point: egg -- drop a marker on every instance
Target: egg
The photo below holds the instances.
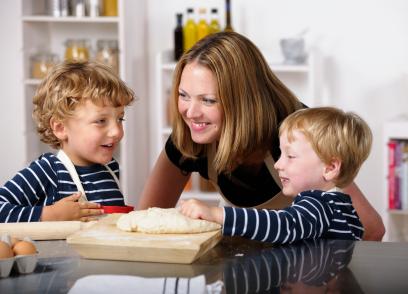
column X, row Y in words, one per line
column 24, row 248
column 13, row 241
column 5, row 250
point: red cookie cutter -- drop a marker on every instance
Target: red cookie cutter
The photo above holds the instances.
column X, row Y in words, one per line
column 117, row 209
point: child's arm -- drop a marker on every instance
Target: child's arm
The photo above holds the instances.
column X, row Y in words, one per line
column 69, row 208
column 20, row 197
column 306, row 219
column 25, row 196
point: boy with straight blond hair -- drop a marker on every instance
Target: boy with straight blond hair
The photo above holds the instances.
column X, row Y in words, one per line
column 322, row 150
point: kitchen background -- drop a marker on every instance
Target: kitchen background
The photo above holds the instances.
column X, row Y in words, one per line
column 358, row 60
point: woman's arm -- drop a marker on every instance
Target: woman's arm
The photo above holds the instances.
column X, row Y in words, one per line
column 374, row 229
column 164, row 185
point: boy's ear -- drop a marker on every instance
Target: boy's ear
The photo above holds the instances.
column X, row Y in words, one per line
column 332, row 170
column 58, row 128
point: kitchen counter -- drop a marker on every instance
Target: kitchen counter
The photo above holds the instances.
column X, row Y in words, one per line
column 243, row 266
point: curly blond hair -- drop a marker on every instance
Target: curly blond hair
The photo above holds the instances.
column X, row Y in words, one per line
column 70, row 84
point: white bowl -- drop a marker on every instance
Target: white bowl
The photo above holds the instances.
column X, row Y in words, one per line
column 293, row 49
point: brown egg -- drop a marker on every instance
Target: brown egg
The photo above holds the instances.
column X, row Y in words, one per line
column 5, row 250
column 24, row 248
column 13, row 241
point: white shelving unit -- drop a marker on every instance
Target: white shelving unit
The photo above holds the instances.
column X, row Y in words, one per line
column 395, row 220
column 301, row 79
column 43, row 32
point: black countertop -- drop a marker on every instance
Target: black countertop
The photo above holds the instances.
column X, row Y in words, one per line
column 322, row 266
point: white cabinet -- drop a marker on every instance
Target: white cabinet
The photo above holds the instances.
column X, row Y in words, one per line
column 301, row 79
column 43, row 32
column 395, row 220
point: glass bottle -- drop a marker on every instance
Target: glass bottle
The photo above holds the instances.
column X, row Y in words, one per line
column 76, row 50
column 228, row 23
column 189, row 30
column 110, row 7
column 214, row 23
column 202, row 27
column 108, row 54
column 178, row 37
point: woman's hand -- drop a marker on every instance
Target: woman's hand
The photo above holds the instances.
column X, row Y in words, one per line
column 199, row 210
column 69, row 208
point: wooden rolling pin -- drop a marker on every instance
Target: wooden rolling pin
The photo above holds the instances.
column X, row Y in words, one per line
column 44, row 230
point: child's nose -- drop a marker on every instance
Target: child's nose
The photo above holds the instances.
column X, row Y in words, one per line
column 278, row 164
column 116, row 130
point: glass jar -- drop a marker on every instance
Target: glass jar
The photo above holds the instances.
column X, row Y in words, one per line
column 108, row 54
column 41, row 63
column 77, row 50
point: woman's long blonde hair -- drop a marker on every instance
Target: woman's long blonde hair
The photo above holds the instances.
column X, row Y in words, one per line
column 253, row 99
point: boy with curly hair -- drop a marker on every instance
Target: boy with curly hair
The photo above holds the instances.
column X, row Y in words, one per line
column 79, row 110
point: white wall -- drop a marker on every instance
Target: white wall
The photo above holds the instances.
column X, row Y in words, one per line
column 364, row 45
column 12, row 148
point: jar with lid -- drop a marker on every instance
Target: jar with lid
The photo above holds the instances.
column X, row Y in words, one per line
column 77, row 50
column 108, row 54
column 41, row 63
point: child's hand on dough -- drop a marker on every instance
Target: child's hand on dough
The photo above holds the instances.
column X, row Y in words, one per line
column 199, row 210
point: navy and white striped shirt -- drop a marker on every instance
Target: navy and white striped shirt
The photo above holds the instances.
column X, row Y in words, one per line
column 313, row 214
column 46, row 181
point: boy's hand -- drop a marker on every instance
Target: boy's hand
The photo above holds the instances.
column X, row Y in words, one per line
column 69, row 208
column 199, row 210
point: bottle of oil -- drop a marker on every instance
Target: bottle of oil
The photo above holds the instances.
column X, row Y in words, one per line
column 228, row 23
column 178, row 37
column 203, row 28
column 214, row 23
column 189, row 30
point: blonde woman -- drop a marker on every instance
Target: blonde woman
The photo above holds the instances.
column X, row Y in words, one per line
column 228, row 106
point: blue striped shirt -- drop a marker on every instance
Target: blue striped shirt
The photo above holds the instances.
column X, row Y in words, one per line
column 313, row 214
column 46, row 180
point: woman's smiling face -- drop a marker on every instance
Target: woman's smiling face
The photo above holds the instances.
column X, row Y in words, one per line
column 199, row 105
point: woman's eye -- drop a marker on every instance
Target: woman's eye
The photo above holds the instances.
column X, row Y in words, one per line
column 121, row 119
column 209, row 101
column 183, row 96
column 291, row 156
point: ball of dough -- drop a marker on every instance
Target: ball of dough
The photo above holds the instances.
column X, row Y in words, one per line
column 163, row 221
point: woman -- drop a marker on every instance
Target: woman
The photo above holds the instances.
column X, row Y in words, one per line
column 229, row 107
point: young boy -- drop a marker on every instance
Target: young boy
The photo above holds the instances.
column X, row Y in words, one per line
column 79, row 110
column 322, row 150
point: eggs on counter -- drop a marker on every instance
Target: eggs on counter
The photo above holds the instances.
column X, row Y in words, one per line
column 24, row 248
column 6, row 250
column 22, row 254
column 18, row 247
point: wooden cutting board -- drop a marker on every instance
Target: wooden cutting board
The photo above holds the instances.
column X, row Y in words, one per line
column 105, row 241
